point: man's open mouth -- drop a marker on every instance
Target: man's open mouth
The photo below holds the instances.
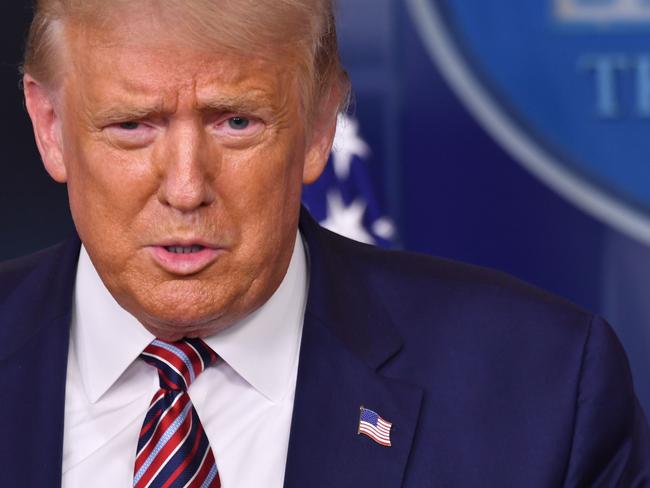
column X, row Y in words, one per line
column 184, row 249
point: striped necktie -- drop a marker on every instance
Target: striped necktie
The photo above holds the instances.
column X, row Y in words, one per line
column 173, row 449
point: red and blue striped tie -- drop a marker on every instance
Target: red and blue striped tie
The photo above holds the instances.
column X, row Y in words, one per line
column 173, row 450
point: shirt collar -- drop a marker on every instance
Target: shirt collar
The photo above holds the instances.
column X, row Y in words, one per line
column 262, row 348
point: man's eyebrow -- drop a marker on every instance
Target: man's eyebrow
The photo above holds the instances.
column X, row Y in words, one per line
column 253, row 102
column 241, row 103
column 120, row 113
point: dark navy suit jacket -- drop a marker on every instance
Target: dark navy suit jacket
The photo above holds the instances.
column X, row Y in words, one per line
column 488, row 382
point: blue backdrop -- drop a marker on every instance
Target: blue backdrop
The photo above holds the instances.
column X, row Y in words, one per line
column 540, row 171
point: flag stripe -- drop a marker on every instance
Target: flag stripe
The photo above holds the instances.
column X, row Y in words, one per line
column 377, row 439
column 374, row 432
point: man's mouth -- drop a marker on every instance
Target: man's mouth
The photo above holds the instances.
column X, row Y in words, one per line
column 184, row 249
column 186, row 259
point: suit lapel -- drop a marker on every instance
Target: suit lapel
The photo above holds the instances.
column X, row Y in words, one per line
column 347, row 337
column 34, row 334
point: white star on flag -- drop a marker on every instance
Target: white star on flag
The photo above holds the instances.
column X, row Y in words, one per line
column 347, row 144
column 346, row 220
column 344, row 197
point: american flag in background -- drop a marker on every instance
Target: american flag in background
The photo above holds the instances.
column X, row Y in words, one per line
column 344, row 199
column 372, row 425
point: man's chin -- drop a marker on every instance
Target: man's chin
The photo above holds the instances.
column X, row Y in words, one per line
column 177, row 319
column 173, row 328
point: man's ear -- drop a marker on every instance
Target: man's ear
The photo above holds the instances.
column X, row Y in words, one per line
column 46, row 121
column 321, row 137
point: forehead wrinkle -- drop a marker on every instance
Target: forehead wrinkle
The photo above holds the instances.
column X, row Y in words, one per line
column 247, row 91
column 121, row 98
column 237, row 85
column 125, row 101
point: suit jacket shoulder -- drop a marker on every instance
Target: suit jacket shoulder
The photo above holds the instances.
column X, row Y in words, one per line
column 14, row 271
column 520, row 387
column 427, row 297
column 33, row 290
column 35, row 308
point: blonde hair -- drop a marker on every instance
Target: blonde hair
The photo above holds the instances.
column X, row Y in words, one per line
column 303, row 29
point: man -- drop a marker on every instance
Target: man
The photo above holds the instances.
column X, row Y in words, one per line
column 203, row 330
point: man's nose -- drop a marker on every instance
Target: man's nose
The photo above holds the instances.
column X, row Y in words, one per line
column 186, row 170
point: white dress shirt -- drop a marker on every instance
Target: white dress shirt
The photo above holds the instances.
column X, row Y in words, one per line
column 245, row 402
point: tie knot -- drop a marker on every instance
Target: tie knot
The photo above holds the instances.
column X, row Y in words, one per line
column 179, row 363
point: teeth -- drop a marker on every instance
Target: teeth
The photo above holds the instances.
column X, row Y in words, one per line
column 183, row 249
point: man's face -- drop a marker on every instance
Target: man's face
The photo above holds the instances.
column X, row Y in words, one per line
column 184, row 172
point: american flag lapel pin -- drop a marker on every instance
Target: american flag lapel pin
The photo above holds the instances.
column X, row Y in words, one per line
column 372, row 425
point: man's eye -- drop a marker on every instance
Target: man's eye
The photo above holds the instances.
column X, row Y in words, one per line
column 238, row 123
column 129, row 125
